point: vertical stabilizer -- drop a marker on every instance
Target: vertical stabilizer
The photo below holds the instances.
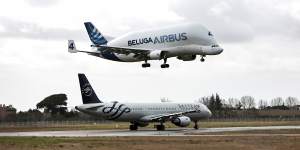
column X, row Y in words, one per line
column 87, row 92
column 96, row 37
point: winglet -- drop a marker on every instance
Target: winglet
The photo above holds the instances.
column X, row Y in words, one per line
column 72, row 47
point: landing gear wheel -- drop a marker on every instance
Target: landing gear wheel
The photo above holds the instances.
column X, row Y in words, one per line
column 133, row 127
column 160, row 127
column 145, row 65
column 202, row 59
column 165, row 65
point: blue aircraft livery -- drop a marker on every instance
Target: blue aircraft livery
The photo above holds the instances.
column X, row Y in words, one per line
column 159, row 39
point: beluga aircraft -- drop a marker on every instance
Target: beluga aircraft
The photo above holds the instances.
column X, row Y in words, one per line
column 140, row 114
column 183, row 41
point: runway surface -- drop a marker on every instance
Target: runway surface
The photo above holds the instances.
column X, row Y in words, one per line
column 141, row 132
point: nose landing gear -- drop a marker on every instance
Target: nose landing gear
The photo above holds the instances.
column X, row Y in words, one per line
column 202, row 58
column 196, row 125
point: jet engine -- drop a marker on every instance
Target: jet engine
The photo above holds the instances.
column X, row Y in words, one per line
column 182, row 121
column 187, row 57
column 155, row 55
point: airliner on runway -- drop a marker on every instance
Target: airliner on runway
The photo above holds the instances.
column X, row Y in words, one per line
column 184, row 42
column 140, row 114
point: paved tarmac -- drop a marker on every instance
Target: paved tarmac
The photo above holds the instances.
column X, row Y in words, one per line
column 141, row 132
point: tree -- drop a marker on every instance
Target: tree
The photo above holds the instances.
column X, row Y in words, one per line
column 218, row 102
column 233, row 102
column 278, row 101
column 239, row 105
column 30, row 115
column 11, row 108
column 54, row 104
column 291, row 101
column 247, row 102
column 204, row 100
column 262, row 104
column 212, row 103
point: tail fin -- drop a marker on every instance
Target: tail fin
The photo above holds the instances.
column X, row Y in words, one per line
column 96, row 37
column 71, row 46
column 87, row 92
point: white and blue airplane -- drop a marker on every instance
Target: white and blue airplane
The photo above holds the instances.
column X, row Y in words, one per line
column 140, row 114
column 184, row 41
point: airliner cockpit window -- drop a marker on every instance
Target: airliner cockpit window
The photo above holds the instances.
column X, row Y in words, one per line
column 210, row 34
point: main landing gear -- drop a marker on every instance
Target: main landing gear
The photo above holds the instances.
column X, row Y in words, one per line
column 133, row 127
column 196, row 125
column 146, row 64
column 160, row 127
column 165, row 65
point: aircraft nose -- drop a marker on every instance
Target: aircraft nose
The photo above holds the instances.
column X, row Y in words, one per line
column 209, row 113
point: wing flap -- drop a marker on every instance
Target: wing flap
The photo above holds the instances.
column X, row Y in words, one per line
column 166, row 116
column 124, row 50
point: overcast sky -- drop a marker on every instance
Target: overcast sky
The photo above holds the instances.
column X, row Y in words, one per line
column 261, row 57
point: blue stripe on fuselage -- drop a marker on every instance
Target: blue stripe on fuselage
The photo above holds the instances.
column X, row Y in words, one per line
column 109, row 56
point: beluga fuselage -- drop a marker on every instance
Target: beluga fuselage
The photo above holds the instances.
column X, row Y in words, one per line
column 183, row 41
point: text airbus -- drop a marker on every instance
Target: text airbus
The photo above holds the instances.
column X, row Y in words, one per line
column 159, row 39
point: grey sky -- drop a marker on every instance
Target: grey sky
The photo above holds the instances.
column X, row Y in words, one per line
column 260, row 38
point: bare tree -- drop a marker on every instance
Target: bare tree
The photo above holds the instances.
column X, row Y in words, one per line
column 291, row 101
column 247, row 102
column 233, row 102
column 278, row 101
column 204, row 100
column 262, row 104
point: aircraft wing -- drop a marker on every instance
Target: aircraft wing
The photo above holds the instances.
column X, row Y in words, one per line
column 167, row 116
column 125, row 50
column 138, row 52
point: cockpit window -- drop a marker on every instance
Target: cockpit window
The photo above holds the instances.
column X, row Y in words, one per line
column 215, row 45
column 210, row 34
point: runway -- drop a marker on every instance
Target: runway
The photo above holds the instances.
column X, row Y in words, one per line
column 141, row 132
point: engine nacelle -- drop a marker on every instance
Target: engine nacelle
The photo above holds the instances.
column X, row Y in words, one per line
column 155, row 55
column 182, row 121
column 187, row 57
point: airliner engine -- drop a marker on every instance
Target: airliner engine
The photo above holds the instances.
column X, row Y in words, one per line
column 182, row 121
column 157, row 55
column 187, row 57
